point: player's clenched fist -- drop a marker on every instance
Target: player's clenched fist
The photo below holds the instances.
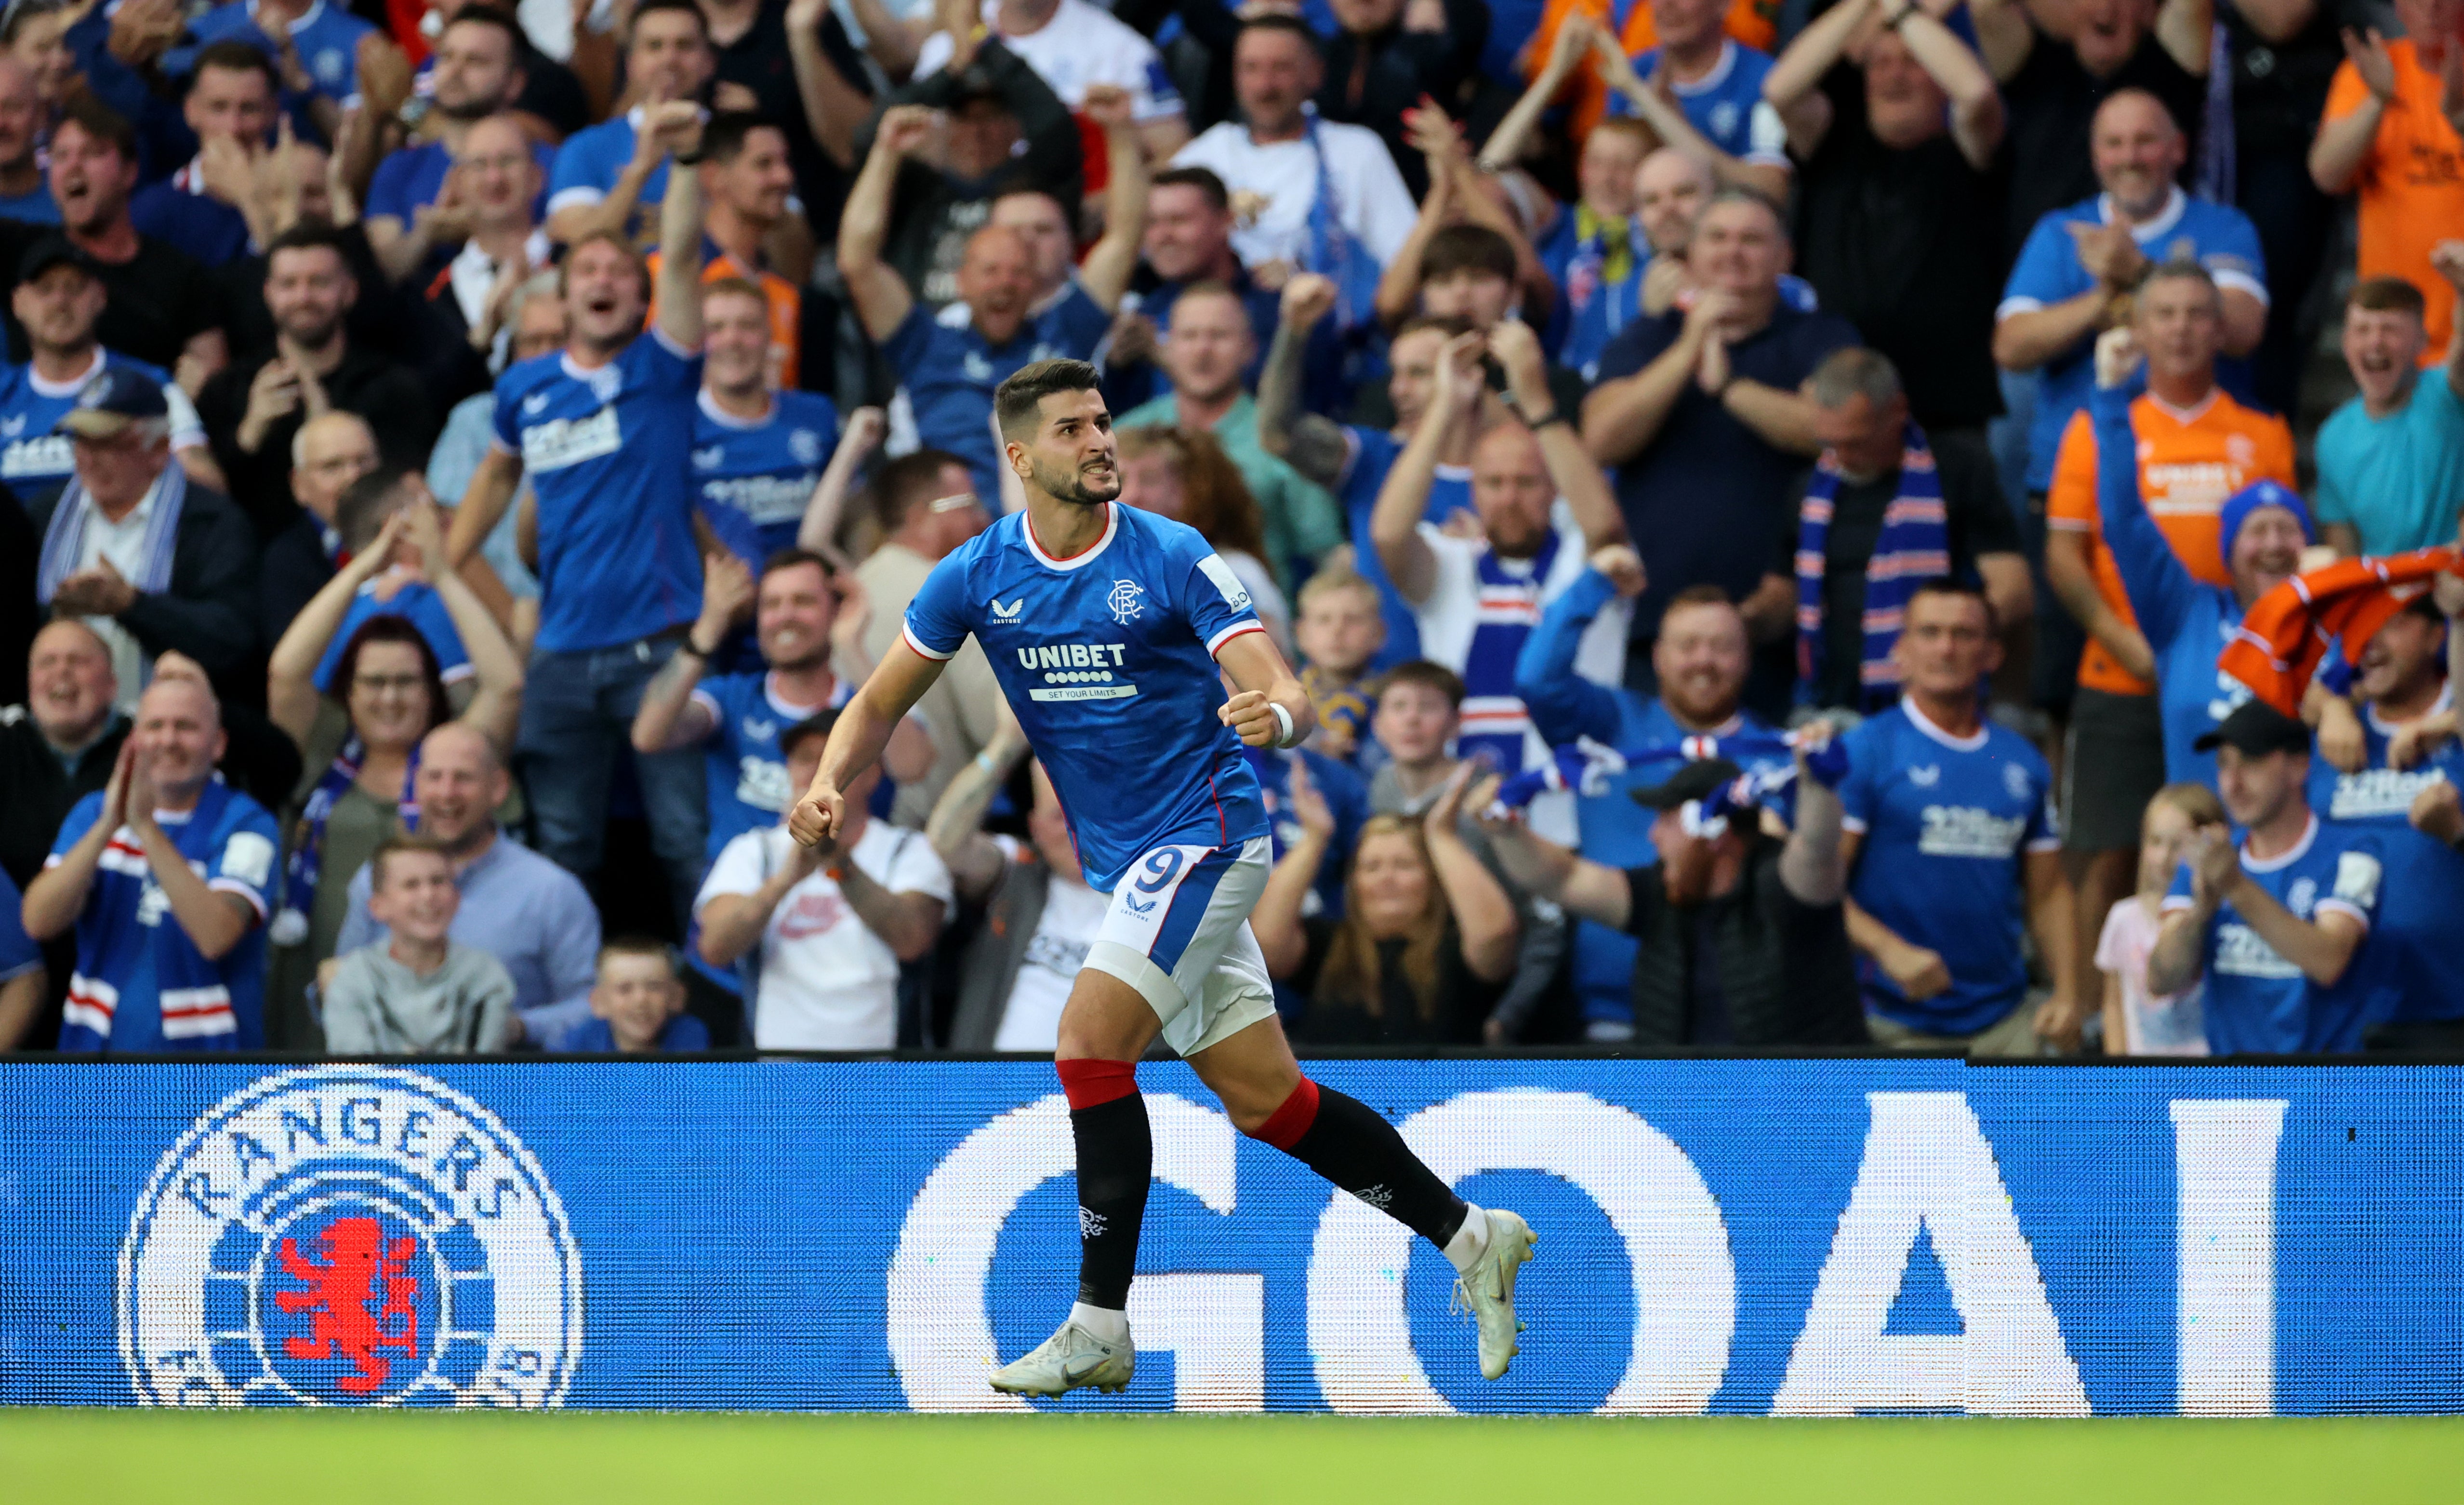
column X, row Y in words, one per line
column 1252, row 716
column 817, row 816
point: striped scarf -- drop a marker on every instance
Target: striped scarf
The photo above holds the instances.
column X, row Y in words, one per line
column 1494, row 721
column 64, row 538
column 1914, row 547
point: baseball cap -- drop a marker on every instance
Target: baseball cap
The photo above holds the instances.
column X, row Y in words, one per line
column 111, row 401
column 52, row 250
column 1696, row 780
column 2254, row 730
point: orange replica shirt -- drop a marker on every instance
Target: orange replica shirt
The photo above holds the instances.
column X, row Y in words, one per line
column 2189, row 464
column 787, row 311
column 1755, row 23
column 2411, row 184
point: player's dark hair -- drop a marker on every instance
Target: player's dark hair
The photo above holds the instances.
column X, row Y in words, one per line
column 790, row 559
column 1019, row 401
column 816, row 725
column 239, row 57
column 1946, row 585
column 1422, row 672
column 643, row 7
column 1289, row 26
column 1202, row 178
column 1474, row 249
column 101, row 122
column 491, row 15
column 724, row 134
column 908, row 483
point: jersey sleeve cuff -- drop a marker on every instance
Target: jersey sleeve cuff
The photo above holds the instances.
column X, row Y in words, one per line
column 2240, row 281
column 1215, row 645
column 668, row 343
column 232, row 885
column 917, row 644
column 703, row 698
column 1852, row 825
column 2335, row 905
column 2017, row 304
column 2173, row 901
column 573, row 198
column 2046, row 844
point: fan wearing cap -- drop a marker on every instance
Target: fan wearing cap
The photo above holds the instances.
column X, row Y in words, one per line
column 2276, row 926
column 1744, row 940
column 1949, row 831
column 150, row 560
column 2406, row 791
column 2260, row 533
column 58, row 298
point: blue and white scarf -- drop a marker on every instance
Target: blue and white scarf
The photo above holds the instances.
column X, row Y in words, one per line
column 1914, row 548
column 1581, row 767
column 64, row 540
column 306, row 866
column 1333, row 251
column 1494, row 720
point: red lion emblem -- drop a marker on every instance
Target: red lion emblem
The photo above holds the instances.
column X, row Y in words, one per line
column 345, row 1317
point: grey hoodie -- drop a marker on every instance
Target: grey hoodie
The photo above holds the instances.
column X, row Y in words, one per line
column 380, row 1007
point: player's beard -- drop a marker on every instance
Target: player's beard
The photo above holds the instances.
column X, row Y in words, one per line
column 1070, row 485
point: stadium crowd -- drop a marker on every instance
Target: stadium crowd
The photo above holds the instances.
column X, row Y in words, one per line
column 462, row 457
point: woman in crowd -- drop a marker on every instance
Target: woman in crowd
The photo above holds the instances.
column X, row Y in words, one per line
column 1426, row 942
column 1185, row 475
column 358, row 727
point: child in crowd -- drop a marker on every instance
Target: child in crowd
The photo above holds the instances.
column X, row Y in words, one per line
column 418, row 993
column 1340, row 631
column 637, row 1006
column 2136, row 1023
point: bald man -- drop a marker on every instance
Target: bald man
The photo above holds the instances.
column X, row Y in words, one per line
column 166, row 877
column 330, row 452
column 516, row 905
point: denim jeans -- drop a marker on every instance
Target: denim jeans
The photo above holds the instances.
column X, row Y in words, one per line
column 577, row 714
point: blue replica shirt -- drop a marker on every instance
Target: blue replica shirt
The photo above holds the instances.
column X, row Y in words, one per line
column 2421, row 912
column 683, row 1034
column 1346, row 799
column 1566, row 707
column 753, row 477
column 327, row 38
column 416, row 602
column 607, row 451
column 35, row 462
column 412, row 178
column 2260, row 1004
column 2219, row 236
column 1724, row 104
column 140, row 984
column 2399, row 480
column 588, row 165
column 1591, row 310
column 1108, row 658
column 33, row 208
column 204, row 227
column 1125, row 386
column 1944, row 823
column 2187, row 622
column 749, row 789
column 949, row 370
column 18, row 952
column 1374, row 453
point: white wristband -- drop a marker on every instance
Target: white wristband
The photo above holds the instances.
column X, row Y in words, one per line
column 1283, row 719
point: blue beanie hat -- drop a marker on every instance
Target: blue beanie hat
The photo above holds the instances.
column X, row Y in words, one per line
column 2251, row 498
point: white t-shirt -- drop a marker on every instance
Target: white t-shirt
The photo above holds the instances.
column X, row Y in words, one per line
column 2173, row 1025
column 1073, row 914
column 1080, row 45
column 827, row 982
column 1371, row 199
column 1451, row 612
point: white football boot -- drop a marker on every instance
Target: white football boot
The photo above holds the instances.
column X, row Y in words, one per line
column 1074, row 1357
column 1487, row 1290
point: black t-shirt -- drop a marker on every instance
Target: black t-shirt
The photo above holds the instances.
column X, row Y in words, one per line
column 759, row 60
column 2278, row 93
column 155, row 302
column 1460, row 1005
column 1978, row 520
column 2050, row 103
column 1906, row 244
column 1753, row 967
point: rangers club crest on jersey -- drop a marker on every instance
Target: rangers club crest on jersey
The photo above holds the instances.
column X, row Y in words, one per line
column 349, row 1235
column 1124, row 600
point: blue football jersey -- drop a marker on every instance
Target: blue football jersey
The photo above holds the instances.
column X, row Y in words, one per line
column 326, row 37
column 35, row 462
column 608, row 455
column 1346, row 799
column 140, row 984
column 1373, row 453
column 949, row 370
column 1944, row 823
column 410, row 179
column 416, row 602
column 1726, row 105
column 748, row 774
column 2258, row 1003
column 588, row 165
column 2420, row 909
column 1108, row 658
column 752, row 478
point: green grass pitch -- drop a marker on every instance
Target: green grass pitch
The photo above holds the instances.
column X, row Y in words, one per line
column 261, row 1458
